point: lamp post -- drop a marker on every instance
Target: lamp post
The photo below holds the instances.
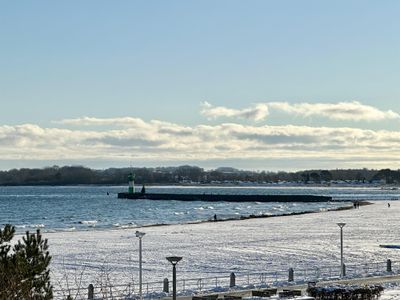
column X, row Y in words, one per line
column 341, row 225
column 173, row 260
column 140, row 235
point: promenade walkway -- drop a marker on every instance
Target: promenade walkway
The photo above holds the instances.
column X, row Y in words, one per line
column 303, row 287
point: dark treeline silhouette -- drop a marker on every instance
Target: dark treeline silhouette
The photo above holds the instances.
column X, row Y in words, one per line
column 69, row 175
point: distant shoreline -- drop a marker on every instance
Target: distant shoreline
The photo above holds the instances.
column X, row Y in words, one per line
column 222, row 185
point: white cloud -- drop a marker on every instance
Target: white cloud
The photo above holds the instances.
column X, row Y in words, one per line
column 257, row 112
column 164, row 141
column 352, row 111
column 90, row 121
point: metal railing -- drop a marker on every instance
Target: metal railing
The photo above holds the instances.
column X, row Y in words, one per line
column 156, row 290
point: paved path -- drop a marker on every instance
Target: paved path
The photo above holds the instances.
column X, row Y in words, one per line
column 303, row 287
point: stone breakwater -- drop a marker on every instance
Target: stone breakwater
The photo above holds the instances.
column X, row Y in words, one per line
column 224, row 197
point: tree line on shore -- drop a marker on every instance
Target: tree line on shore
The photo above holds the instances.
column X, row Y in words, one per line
column 70, row 175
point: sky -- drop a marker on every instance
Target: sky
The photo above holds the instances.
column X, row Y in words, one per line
column 261, row 85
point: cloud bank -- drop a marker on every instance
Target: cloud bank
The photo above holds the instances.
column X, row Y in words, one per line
column 164, row 141
column 351, row 111
column 128, row 139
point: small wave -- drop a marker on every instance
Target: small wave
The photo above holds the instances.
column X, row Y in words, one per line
column 88, row 222
column 199, row 208
column 37, row 225
column 210, row 207
column 128, row 225
column 70, row 229
column 179, row 213
column 279, row 209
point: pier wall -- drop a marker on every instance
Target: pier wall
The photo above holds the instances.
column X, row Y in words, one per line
column 225, row 197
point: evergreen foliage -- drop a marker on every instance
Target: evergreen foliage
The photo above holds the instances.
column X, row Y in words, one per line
column 24, row 272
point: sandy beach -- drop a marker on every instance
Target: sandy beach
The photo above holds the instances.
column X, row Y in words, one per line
column 218, row 248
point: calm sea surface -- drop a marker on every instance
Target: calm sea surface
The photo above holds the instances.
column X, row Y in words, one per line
column 72, row 208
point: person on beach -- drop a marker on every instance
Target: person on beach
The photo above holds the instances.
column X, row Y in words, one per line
column 388, row 205
column 215, row 217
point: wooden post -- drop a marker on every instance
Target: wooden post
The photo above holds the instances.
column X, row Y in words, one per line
column 291, row 275
column 90, row 291
column 389, row 266
column 232, row 282
column 166, row 285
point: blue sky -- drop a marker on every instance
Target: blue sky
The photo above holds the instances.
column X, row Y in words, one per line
column 162, row 60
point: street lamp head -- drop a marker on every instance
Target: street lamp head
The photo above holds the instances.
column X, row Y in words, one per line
column 341, row 225
column 139, row 234
column 174, row 259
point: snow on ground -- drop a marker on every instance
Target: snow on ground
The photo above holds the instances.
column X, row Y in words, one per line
column 218, row 248
column 391, row 294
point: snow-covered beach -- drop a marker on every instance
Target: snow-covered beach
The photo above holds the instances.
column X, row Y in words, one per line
column 215, row 249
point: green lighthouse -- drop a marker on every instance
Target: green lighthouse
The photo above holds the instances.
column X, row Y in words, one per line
column 131, row 181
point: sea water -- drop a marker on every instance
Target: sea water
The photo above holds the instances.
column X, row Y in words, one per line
column 70, row 208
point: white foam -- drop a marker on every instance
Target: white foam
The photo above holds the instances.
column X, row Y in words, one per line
column 129, row 225
column 88, row 222
column 70, row 229
column 37, row 225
